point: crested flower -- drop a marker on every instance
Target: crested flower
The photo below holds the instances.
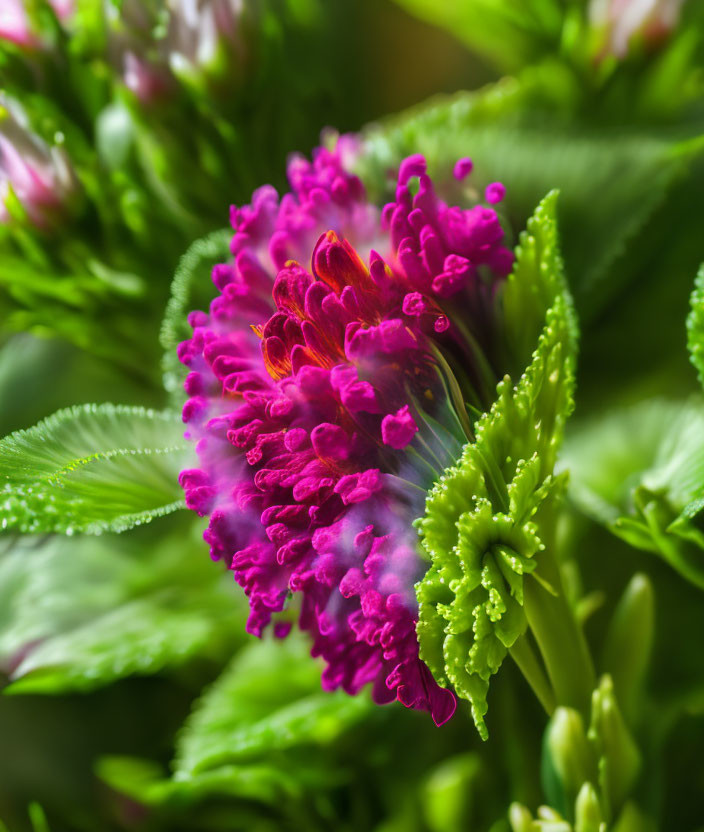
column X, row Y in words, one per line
column 326, row 394
column 32, row 173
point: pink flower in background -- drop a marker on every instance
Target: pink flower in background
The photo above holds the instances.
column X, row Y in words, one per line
column 319, row 405
column 16, row 25
column 199, row 30
column 147, row 81
column 40, row 177
column 197, row 37
column 623, row 21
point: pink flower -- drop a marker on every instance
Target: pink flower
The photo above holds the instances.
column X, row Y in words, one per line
column 623, row 21
column 319, row 408
column 199, row 29
column 16, row 26
column 201, row 37
column 148, row 82
column 40, row 177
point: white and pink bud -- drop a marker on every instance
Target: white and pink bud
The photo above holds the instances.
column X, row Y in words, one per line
column 37, row 182
column 15, row 25
column 623, row 23
column 201, row 33
column 147, row 81
column 18, row 27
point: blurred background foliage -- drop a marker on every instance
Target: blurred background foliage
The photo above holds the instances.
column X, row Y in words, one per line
column 131, row 697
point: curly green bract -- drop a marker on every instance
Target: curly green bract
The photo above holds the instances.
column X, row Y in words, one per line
column 482, row 523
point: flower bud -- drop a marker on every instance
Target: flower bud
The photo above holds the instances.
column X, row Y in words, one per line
column 588, row 817
column 37, row 182
column 520, row 818
column 135, row 52
column 450, row 792
column 622, row 23
column 147, row 81
column 632, row 819
column 614, row 744
column 201, row 35
column 629, row 639
column 18, row 27
column 570, row 753
column 15, row 25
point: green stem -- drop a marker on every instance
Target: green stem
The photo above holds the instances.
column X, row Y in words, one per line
column 559, row 637
column 522, row 653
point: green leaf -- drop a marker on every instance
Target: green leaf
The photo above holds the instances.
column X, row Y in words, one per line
column 478, row 529
column 536, row 283
column 450, row 792
column 695, row 326
column 78, row 614
column 510, row 33
column 251, row 735
column 92, row 468
column 37, row 818
column 146, row 782
column 191, row 289
column 629, row 640
column 248, row 711
column 619, row 757
column 640, row 471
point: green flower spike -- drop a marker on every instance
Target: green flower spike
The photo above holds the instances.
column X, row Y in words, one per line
column 481, row 529
column 588, row 775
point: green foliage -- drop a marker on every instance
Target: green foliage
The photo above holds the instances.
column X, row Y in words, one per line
column 191, row 289
column 629, row 640
column 569, row 760
column 640, row 471
column 151, row 173
column 478, row 529
column 652, row 73
column 618, row 755
column 246, row 713
column 263, row 732
column 265, row 749
column 589, row 817
column 78, row 614
column 37, row 818
column 91, row 468
column 451, row 791
column 511, row 33
column 695, row 326
column 588, row 774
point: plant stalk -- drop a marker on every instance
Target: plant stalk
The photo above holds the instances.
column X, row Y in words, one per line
column 528, row 663
column 559, row 638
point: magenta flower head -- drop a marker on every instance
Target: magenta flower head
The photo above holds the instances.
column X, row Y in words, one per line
column 37, row 182
column 323, row 408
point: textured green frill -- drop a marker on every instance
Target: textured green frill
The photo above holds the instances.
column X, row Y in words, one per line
column 480, row 528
